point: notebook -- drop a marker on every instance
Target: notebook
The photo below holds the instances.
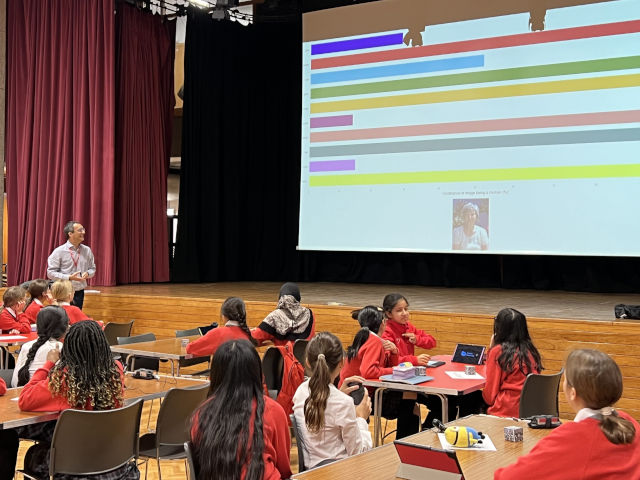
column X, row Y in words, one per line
column 418, row 462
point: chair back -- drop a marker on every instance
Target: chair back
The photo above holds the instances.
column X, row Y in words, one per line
column 193, row 473
column 299, row 443
column 88, row 442
column 300, row 352
column 540, row 395
column 139, row 361
column 188, row 362
column 174, row 417
column 9, row 361
column 7, row 375
column 114, row 330
column 272, row 368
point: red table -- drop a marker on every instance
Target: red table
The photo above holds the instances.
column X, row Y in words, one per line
column 441, row 386
column 17, row 339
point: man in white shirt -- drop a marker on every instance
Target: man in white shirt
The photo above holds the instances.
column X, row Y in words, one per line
column 72, row 261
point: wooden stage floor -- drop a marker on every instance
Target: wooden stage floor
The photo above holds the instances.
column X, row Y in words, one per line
column 533, row 303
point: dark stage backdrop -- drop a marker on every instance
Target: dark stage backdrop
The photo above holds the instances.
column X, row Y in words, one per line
column 239, row 189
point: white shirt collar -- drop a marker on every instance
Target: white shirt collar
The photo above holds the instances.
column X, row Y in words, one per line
column 63, row 303
column 38, row 302
column 12, row 312
column 585, row 413
column 232, row 323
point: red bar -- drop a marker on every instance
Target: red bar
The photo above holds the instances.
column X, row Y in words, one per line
column 531, row 38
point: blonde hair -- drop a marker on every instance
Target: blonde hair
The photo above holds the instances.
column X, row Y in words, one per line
column 62, row 290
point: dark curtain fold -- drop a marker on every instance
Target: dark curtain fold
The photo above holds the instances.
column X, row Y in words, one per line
column 59, row 146
column 144, row 54
column 239, row 189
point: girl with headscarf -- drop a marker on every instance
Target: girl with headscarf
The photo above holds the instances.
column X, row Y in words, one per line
column 289, row 322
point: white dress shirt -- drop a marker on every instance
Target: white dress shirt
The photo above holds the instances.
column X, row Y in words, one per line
column 344, row 433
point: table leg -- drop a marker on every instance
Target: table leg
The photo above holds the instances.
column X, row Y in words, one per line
column 377, row 415
column 444, row 400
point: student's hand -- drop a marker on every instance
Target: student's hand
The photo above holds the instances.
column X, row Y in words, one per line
column 14, row 331
column 492, row 342
column 363, row 410
column 49, row 298
column 353, row 388
column 75, row 276
column 411, row 337
column 389, row 346
column 423, row 359
column 20, row 306
column 53, row 355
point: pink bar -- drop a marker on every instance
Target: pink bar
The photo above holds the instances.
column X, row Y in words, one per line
column 546, row 121
column 335, row 121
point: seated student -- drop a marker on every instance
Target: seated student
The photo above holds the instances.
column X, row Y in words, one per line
column 53, row 323
column 331, row 425
column 234, row 313
column 40, row 294
column 512, row 356
column 600, row 443
column 239, row 433
column 62, row 293
column 12, row 318
column 367, row 358
column 287, row 323
column 83, row 376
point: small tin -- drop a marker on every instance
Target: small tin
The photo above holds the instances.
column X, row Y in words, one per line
column 513, row 434
column 420, row 371
column 470, row 370
column 184, row 342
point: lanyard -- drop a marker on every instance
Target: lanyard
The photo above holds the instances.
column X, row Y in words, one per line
column 75, row 259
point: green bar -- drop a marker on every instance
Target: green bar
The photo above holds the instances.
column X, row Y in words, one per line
column 516, row 73
column 480, row 175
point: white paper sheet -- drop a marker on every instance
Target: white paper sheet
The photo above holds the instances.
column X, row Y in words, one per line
column 4, row 338
column 464, row 376
column 486, row 445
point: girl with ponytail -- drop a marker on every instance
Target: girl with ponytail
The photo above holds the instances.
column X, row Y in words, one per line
column 331, row 425
column 601, row 442
column 52, row 323
column 239, row 433
column 234, row 313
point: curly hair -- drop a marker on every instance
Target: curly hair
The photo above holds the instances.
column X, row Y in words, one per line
column 86, row 375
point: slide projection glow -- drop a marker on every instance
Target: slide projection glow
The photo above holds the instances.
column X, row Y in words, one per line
column 479, row 136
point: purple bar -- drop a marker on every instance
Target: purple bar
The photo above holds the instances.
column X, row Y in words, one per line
column 336, row 121
column 357, row 44
column 332, row 166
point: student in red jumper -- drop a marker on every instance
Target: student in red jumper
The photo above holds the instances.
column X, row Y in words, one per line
column 367, row 358
column 83, row 376
column 239, row 433
column 234, row 313
column 512, row 356
column 601, row 442
column 12, row 318
column 404, row 336
column 40, row 295
column 62, row 292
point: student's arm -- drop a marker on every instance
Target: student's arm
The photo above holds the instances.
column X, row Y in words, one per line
column 493, row 374
column 281, row 440
column 206, row 345
column 8, row 323
column 355, row 430
column 423, row 339
column 370, row 366
column 35, row 395
column 3, row 387
column 261, row 336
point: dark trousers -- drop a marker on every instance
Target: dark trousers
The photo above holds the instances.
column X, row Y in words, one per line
column 8, row 453
column 78, row 298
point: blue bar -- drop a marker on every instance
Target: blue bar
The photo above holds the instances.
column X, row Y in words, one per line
column 357, row 44
column 427, row 66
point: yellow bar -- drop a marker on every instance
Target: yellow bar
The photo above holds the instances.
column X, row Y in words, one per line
column 538, row 88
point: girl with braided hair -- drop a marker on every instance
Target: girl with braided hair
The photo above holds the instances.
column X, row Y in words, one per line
column 239, row 433
column 234, row 313
column 52, row 323
column 330, row 424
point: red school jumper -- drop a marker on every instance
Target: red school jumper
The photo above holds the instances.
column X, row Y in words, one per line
column 502, row 390
column 578, row 451
column 36, row 397
column 393, row 332
column 9, row 322
column 75, row 314
column 3, row 387
column 209, row 343
column 32, row 311
column 275, row 434
column 371, row 361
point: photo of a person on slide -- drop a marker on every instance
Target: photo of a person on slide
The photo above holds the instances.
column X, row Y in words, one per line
column 470, row 236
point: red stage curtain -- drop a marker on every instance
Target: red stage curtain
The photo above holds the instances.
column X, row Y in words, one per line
column 60, row 130
column 145, row 49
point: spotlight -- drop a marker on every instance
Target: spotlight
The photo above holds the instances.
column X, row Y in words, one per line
column 219, row 13
column 200, row 3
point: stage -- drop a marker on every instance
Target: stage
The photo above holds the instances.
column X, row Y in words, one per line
column 478, row 301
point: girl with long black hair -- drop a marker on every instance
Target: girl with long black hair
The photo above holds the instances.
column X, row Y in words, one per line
column 512, row 356
column 52, row 323
column 239, row 433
